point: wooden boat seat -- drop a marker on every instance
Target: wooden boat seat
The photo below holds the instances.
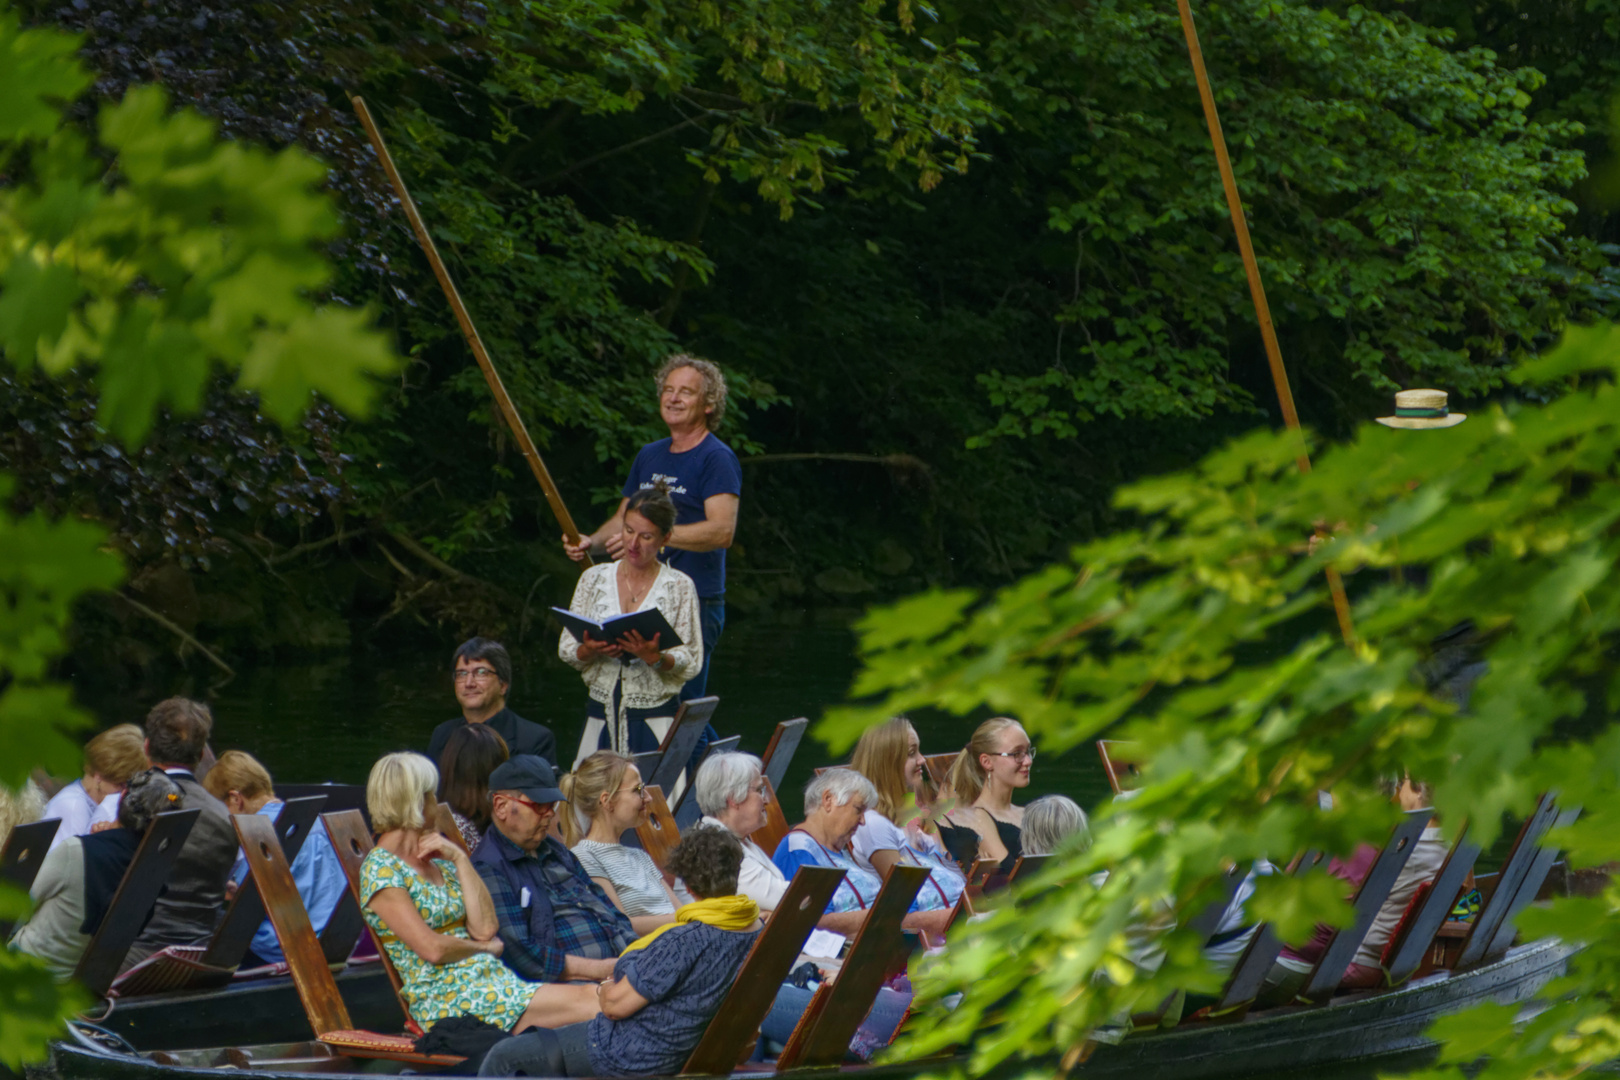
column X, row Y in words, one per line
column 23, row 853
column 837, row 1008
column 324, row 1006
column 207, row 967
column 770, row 834
column 735, row 1026
column 1409, row 947
column 1518, row 883
column 1122, row 761
column 659, row 835
column 1369, row 900
column 780, row 750
column 132, row 904
column 679, row 742
column 352, row 841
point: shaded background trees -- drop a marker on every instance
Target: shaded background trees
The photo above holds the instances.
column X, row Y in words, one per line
column 967, row 265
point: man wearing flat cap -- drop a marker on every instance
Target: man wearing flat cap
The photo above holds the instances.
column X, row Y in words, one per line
column 556, row 923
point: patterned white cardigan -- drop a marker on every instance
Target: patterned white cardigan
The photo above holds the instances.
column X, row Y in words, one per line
column 597, row 598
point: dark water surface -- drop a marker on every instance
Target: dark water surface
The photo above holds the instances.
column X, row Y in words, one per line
column 329, row 719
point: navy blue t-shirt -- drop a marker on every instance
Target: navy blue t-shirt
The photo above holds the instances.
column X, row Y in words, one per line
column 709, row 468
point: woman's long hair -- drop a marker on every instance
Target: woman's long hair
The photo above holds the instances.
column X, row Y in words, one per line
column 880, row 756
column 471, row 754
column 598, row 775
column 967, row 777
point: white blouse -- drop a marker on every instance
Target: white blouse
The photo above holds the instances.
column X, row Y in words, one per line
column 597, row 598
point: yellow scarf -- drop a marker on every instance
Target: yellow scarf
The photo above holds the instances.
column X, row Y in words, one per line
column 720, row 912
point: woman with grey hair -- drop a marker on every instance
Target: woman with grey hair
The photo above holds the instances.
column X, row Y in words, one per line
column 1049, row 821
column 79, row 876
column 835, row 805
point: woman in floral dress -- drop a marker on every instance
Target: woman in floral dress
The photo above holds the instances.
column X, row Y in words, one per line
column 429, row 909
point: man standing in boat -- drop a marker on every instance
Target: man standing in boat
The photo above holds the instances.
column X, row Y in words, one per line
column 705, row 482
column 483, row 676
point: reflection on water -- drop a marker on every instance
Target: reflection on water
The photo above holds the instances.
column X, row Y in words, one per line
column 329, row 719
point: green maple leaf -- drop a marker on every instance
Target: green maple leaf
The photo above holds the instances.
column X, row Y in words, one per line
column 331, row 351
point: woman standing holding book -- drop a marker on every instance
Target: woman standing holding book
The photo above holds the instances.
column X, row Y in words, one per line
column 634, row 682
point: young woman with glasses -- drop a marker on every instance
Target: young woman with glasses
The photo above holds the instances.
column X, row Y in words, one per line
column 985, row 824
column 605, row 798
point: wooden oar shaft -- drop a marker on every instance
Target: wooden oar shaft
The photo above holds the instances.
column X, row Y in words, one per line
column 468, row 330
column 1257, row 288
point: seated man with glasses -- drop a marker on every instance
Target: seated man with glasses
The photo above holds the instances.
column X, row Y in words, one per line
column 555, row 923
column 483, row 676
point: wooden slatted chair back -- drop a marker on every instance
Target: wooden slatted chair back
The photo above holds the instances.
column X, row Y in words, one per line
column 770, row 834
column 1369, row 900
column 736, row 1025
column 680, row 741
column 660, row 834
column 270, row 870
column 823, row 1034
column 780, row 750
column 352, row 841
column 1404, row 954
column 687, row 811
column 979, row 875
column 1529, row 888
column 24, row 851
column 1249, row 974
column 1122, row 762
column 1514, row 871
column 246, row 909
column 127, row 913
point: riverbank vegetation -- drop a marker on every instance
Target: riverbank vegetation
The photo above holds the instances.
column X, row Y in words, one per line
column 967, row 266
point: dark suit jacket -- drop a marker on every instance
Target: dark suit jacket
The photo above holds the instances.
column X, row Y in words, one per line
column 193, row 901
column 522, row 736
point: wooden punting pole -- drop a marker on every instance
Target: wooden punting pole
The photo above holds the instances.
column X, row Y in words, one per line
column 1257, row 289
column 502, row 399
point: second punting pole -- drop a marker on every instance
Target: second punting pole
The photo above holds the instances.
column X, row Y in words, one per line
column 1257, row 289
column 503, row 400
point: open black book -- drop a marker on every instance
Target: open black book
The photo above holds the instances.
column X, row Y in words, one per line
column 647, row 623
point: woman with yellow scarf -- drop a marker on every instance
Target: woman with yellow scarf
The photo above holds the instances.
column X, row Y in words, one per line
column 666, row 985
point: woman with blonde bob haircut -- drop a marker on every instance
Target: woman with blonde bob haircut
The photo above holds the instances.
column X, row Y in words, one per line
column 426, row 905
column 897, row 829
column 986, row 825
column 605, row 797
column 110, row 759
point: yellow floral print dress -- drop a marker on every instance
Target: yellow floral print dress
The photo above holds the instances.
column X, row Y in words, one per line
column 479, row 985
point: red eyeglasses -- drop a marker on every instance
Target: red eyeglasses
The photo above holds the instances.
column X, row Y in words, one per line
column 548, row 808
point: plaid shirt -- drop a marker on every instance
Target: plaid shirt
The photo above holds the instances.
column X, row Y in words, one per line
column 563, row 914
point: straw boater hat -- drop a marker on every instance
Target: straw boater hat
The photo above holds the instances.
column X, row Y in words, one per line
column 1422, row 409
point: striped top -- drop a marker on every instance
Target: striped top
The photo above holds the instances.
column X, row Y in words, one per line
column 634, row 875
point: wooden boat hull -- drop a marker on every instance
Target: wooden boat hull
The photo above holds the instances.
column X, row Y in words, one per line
column 1355, row 1032
column 248, row 1012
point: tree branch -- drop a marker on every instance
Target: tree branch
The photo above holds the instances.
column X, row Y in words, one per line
column 170, row 626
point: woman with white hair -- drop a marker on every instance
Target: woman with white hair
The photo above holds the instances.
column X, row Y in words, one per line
column 427, row 905
column 1050, row 820
column 835, row 805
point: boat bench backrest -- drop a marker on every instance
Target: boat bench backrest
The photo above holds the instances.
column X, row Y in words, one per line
column 680, row 741
column 246, row 909
column 127, row 913
column 770, row 834
column 823, row 1034
column 23, row 853
column 735, row 1027
column 779, row 751
column 659, row 835
column 1518, row 883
